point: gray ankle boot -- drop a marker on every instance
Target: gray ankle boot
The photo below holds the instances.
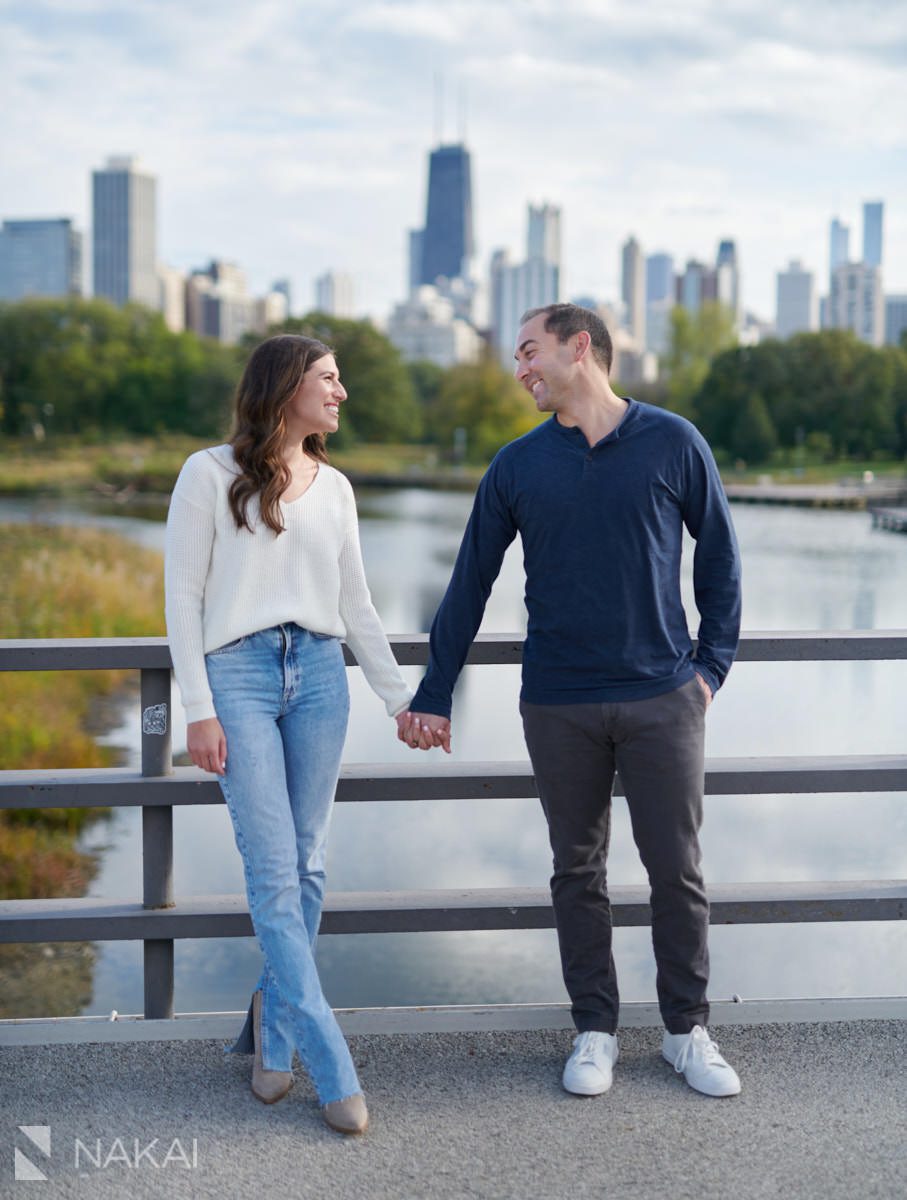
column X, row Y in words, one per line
column 267, row 1086
column 348, row 1116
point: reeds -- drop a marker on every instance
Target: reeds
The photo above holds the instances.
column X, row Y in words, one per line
column 63, row 582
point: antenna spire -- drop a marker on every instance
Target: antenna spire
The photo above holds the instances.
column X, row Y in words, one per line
column 439, row 107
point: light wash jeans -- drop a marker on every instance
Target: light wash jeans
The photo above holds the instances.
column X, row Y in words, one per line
column 281, row 696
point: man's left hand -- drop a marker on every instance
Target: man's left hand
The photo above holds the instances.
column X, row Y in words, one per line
column 706, row 689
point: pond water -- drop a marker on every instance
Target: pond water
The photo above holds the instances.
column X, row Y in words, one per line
column 803, row 569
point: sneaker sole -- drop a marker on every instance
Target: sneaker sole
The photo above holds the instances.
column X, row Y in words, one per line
column 585, row 1095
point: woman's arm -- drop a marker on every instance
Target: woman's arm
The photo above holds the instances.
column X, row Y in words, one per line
column 187, row 556
column 364, row 633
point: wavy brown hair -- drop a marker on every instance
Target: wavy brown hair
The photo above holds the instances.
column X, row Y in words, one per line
column 271, row 377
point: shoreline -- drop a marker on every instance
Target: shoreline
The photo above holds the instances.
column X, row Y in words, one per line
column 890, row 492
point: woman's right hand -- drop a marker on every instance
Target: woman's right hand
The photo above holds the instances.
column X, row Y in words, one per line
column 207, row 745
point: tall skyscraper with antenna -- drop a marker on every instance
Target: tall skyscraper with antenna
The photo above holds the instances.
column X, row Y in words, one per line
column 447, row 239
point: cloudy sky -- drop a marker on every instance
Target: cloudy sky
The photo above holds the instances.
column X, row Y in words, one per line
column 292, row 137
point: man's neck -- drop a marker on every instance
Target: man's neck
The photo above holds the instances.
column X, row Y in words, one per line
column 596, row 412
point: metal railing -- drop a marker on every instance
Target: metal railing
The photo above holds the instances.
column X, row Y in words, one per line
column 159, row 918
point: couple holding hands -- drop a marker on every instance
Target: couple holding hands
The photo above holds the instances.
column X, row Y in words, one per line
column 264, row 578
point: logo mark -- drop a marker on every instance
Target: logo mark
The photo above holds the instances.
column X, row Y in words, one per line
column 39, row 1136
column 154, row 719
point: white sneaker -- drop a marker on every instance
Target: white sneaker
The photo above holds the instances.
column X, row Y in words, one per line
column 589, row 1067
column 695, row 1056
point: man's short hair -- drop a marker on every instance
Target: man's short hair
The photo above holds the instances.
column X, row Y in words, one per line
column 564, row 320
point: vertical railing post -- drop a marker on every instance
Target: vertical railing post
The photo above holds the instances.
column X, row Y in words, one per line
column 157, row 840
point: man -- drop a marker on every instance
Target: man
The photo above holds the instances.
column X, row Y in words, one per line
column 600, row 494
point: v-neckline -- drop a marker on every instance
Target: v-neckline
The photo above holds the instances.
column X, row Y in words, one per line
column 302, row 494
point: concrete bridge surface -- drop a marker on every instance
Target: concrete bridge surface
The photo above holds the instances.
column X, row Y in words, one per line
column 467, row 1116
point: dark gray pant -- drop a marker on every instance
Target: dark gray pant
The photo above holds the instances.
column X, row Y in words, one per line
column 656, row 746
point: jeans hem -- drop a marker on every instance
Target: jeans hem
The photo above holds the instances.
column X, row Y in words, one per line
column 686, row 1024
column 342, row 1096
column 592, row 1026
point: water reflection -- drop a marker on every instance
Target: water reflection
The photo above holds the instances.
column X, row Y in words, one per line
column 803, row 569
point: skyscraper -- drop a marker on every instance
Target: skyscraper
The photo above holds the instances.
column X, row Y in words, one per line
column 544, row 234
column 796, row 302
column 447, row 241
column 697, row 285
column 516, row 287
column 873, row 212
column 660, row 299
column 839, row 245
column 856, row 302
column 40, row 258
column 895, row 319
column 334, row 294
column 659, row 278
column 633, row 288
column 125, row 233
column 727, row 270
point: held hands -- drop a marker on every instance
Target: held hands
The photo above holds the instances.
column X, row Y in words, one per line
column 423, row 731
column 207, row 745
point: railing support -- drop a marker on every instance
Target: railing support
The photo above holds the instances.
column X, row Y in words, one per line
column 157, row 841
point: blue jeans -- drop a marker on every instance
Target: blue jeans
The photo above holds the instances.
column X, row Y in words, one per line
column 281, row 696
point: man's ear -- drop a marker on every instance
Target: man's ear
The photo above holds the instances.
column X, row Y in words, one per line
column 583, row 342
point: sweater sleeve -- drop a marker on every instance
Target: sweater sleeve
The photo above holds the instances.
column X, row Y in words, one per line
column 716, row 565
column 364, row 633
column 490, row 531
column 187, row 555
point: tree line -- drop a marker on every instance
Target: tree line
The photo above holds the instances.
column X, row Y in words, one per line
column 819, row 396
column 85, row 368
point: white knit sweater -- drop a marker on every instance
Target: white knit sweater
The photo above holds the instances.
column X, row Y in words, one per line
column 223, row 583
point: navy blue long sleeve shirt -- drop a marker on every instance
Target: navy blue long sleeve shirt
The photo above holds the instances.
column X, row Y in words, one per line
column 601, row 528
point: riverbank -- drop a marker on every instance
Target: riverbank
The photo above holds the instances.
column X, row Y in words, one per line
column 147, row 467
column 62, row 582
column 139, row 467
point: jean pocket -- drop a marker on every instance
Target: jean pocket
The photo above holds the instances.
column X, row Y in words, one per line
column 323, row 637
column 227, row 648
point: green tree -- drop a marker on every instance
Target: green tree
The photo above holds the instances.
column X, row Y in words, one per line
column 427, row 378
column 87, row 367
column 696, row 339
column 754, row 437
column 484, row 401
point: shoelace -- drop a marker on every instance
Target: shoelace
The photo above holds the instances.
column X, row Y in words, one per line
column 585, row 1047
column 698, row 1045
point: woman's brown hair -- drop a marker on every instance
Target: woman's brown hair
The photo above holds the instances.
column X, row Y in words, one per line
column 272, row 376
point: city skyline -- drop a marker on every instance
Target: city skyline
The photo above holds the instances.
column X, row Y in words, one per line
column 294, row 155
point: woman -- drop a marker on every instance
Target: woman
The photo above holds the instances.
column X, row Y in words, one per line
column 264, row 577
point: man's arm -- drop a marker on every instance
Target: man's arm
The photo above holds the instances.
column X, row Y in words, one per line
column 716, row 565
column 490, row 531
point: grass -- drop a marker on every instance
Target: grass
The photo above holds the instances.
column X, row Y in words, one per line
column 63, row 466
column 151, row 465
column 818, row 472
column 61, row 582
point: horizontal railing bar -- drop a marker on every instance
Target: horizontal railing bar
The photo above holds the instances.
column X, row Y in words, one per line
column 96, row 654
column 435, row 779
column 93, row 919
